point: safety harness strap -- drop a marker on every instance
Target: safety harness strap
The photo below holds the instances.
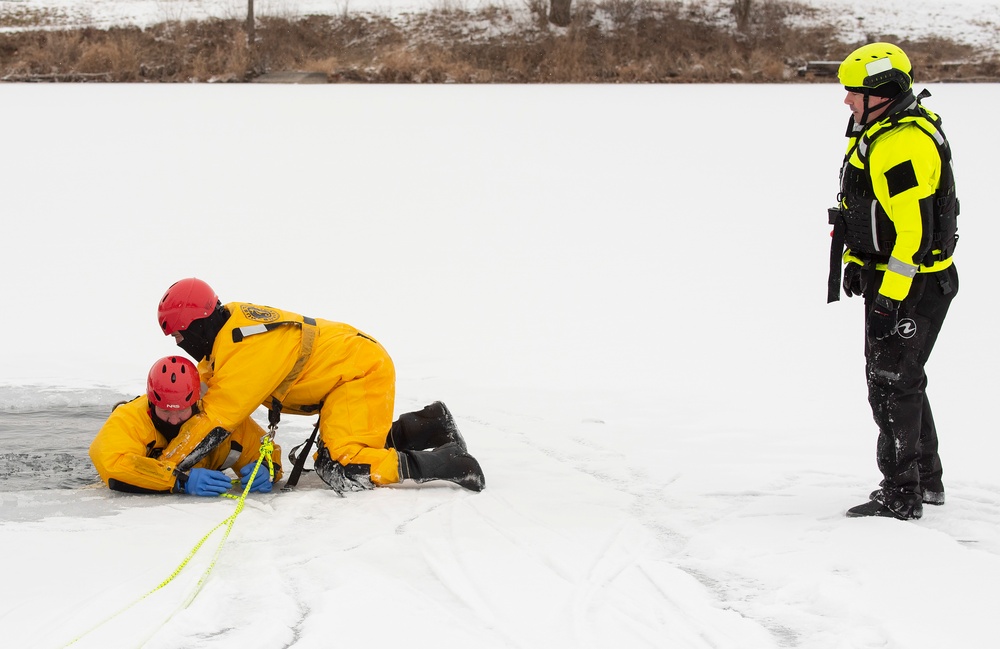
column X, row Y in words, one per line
column 308, row 326
column 300, row 459
column 308, row 338
column 836, row 255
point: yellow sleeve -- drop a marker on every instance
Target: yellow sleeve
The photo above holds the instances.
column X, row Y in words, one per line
column 905, row 168
column 244, row 375
column 119, row 451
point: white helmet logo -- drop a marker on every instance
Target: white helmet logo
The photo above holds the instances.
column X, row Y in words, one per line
column 906, row 328
column 881, row 65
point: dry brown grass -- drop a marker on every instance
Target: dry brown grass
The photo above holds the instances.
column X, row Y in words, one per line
column 610, row 41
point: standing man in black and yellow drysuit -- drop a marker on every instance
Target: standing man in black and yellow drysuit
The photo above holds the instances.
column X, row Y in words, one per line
column 127, row 450
column 252, row 355
column 897, row 218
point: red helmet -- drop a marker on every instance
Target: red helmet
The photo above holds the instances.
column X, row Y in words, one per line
column 173, row 383
column 184, row 302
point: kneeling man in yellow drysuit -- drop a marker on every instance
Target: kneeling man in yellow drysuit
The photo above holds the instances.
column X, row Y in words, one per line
column 252, row 355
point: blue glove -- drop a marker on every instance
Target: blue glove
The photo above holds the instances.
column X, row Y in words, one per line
column 206, row 482
column 261, row 481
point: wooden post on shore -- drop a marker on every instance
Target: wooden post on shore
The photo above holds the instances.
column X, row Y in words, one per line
column 251, row 25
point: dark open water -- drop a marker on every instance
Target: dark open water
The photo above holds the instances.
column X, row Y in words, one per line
column 45, row 433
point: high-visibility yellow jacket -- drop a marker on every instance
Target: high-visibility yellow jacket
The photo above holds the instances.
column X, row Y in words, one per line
column 127, row 450
column 310, row 366
column 896, row 184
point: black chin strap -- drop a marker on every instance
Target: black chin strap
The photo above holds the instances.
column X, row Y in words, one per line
column 868, row 108
column 892, row 105
column 889, row 103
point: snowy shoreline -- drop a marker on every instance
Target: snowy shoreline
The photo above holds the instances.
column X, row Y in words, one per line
column 969, row 22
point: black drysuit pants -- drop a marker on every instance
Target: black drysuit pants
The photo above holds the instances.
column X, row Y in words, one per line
column 907, row 449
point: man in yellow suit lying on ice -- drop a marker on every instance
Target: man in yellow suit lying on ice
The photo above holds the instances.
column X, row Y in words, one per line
column 127, row 451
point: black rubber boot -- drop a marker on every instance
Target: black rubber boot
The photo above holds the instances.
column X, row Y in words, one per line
column 903, row 506
column 449, row 462
column 428, row 428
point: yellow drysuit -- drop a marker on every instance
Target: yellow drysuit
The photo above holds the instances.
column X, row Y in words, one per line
column 127, row 451
column 309, row 366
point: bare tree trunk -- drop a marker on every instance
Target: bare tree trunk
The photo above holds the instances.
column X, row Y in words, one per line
column 741, row 10
column 251, row 24
column 559, row 12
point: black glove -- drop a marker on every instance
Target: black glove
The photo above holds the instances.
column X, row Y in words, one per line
column 353, row 477
column 854, row 279
column 882, row 318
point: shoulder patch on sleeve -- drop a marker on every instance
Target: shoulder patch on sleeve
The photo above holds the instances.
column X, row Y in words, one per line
column 258, row 313
column 900, row 178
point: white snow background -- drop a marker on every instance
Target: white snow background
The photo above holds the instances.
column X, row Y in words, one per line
column 618, row 290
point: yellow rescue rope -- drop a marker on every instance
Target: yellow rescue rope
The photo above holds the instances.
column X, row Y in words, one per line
column 266, row 448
